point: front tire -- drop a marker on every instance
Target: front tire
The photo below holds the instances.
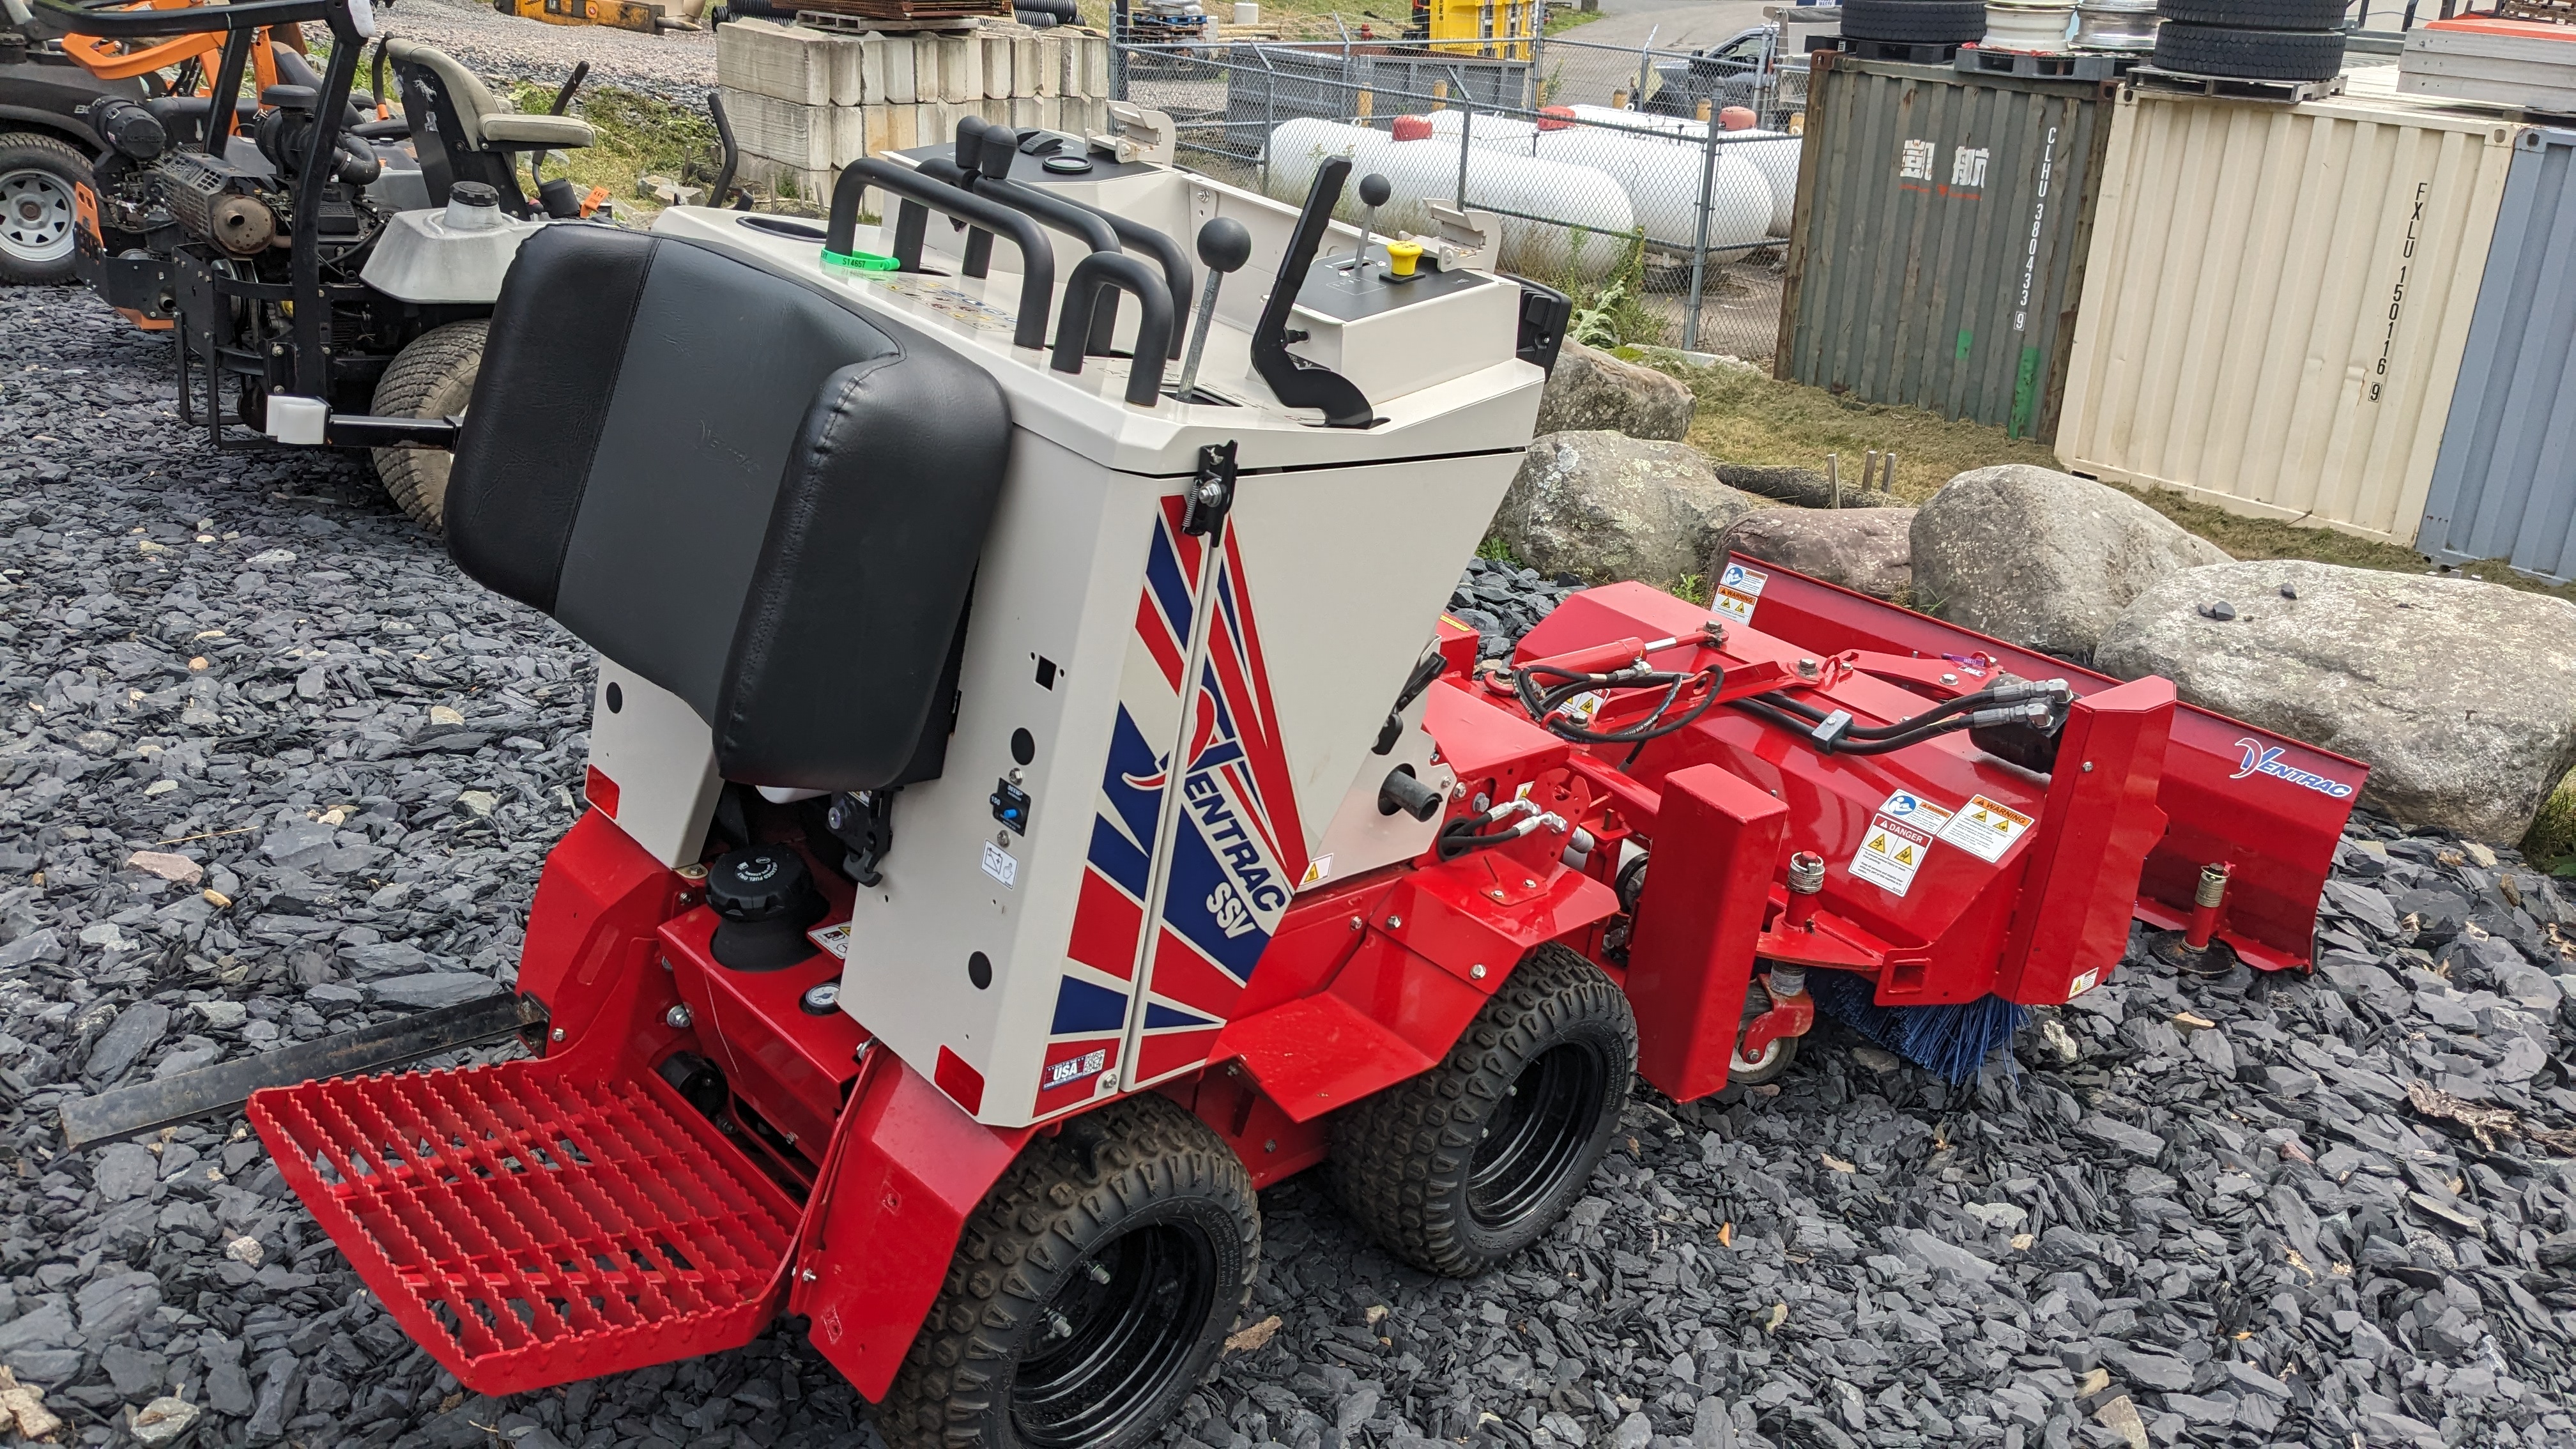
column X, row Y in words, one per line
column 1090, row 1294
column 432, row 377
column 38, row 175
column 1468, row 1163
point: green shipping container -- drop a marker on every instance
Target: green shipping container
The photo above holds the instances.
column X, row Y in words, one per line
column 1938, row 253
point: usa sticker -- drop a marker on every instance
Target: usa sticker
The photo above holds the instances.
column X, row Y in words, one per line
column 1074, row 1069
column 1891, row 851
column 1000, row 866
column 1738, row 590
column 1318, row 871
column 1985, row 828
column 832, row 939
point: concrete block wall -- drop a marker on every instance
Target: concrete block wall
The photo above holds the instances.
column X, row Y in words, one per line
column 804, row 103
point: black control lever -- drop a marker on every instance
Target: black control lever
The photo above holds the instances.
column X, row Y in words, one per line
column 1225, row 246
column 1297, row 382
column 990, row 179
column 1037, row 257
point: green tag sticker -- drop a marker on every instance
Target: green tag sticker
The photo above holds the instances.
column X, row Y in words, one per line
column 1967, row 339
column 860, row 261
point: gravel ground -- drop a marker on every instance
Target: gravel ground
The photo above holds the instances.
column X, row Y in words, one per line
column 676, row 65
column 2192, row 1211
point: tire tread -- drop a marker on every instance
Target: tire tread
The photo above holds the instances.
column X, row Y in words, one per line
column 1397, row 1154
column 416, row 478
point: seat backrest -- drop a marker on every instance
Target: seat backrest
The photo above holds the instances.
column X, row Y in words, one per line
column 445, row 105
column 737, row 487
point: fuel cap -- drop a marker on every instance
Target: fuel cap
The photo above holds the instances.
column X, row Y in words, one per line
column 758, row 883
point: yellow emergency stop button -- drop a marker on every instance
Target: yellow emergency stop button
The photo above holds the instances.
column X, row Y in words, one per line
column 1400, row 257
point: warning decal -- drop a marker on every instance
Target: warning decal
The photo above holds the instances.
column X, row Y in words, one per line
column 1318, row 871
column 1890, row 853
column 1985, row 828
column 835, row 939
column 1898, row 838
column 1738, row 590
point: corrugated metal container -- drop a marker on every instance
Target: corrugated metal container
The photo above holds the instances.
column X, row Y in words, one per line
column 2504, row 485
column 1939, row 247
column 2278, row 300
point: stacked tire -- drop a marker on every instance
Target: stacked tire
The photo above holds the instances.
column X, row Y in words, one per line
column 1915, row 22
column 2274, row 40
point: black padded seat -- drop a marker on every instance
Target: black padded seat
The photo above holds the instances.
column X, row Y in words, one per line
column 740, row 489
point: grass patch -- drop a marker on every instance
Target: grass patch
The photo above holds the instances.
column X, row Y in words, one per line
column 1746, row 417
column 639, row 135
column 2551, row 843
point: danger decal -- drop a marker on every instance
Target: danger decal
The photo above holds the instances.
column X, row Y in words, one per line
column 1899, row 837
column 1738, row 590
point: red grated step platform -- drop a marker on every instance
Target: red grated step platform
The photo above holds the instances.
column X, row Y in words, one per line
column 531, row 1225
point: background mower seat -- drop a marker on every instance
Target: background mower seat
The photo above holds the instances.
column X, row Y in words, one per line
column 730, row 483
column 469, row 135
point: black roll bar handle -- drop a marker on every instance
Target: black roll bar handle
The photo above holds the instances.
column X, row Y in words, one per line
column 1094, row 275
column 976, row 156
column 922, row 194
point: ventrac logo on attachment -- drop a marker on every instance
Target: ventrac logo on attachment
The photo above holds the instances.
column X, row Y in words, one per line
column 2255, row 758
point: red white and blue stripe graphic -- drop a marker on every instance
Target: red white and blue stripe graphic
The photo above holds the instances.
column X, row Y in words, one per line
column 1236, row 851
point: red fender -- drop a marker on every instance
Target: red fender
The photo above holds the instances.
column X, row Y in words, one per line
column 907, row 1167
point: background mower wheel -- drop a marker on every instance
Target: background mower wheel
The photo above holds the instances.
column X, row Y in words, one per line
column 1468, row 1163
column 37, row 174
column 432, row 377
column 1090, row 1294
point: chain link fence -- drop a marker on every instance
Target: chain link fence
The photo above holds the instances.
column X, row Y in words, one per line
column 1664, row 227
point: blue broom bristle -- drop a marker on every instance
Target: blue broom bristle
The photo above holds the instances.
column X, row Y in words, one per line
column 1950, row 1041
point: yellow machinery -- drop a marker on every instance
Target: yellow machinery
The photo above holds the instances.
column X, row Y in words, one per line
column 623, row 14
column 1490, row 29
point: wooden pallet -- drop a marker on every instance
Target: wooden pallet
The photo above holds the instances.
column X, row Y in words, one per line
column 2044, row 65
column 2557, row 12
column 1898, row 50
column 2233, row 88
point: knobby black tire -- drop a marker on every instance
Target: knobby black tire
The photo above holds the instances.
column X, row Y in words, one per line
column 1131, row 1166
column 432, row 377
column 2279, row 55
column 1402, row 1159
column 1915, row 22
column 2258, row 14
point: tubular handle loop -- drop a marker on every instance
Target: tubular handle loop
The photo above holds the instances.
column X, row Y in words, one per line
column 919, row 192
column 1094, row 275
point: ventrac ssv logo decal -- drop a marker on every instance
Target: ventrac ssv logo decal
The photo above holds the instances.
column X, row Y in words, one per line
column 2256, row 758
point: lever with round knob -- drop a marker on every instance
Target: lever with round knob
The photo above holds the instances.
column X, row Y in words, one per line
column 1224, row 246
column 1374, row 192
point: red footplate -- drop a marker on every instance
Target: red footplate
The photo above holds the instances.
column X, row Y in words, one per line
column 531, row 1225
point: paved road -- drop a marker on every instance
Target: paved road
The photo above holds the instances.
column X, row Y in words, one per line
column 1627, row 23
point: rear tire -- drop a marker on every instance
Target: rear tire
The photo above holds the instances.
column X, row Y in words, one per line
column 38, row 175
column 2258, row 14
column 432, row 377
column 1470, row 1162
column 1090, row 1294
column 2281, row 55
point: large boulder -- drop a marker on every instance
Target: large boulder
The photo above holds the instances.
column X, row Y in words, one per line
column 2041, row 558
column 1592, row 391
column 1610, row 507
column 2460, row 696
column 1867, row 549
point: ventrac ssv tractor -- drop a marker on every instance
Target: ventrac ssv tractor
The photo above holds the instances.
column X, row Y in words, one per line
column 1035, row 802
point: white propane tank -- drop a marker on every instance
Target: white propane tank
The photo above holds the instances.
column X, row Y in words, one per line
column 1773, row 153
column 1507, row 134
column 1662, row 178
column 1298, row 149
column 1589, row 215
